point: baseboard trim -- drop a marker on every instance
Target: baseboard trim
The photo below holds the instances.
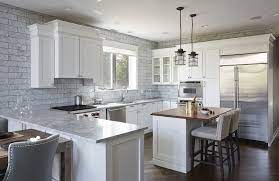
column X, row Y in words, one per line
column 171, row 166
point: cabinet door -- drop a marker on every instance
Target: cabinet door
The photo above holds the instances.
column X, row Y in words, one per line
column 211, row 93
column 196, row 72
column 42, row 62
column 90, row 58
column 174, row 72
column 166, row 105
column 160, row 106
column 67, row 56
column 211, row 64
column 103, row 114
column 184, row 73
column 156, row 70
column 132, row 115
column 173, row 104
column 166, row 74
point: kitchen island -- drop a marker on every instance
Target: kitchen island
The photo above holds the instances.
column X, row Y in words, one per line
column 172, row 136
column 103, row 150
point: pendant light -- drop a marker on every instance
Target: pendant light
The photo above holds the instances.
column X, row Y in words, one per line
column 193, row 56
column 180, row 58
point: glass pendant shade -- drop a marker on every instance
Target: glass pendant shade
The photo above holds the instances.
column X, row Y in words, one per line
column 193, row 59
column 180, row 58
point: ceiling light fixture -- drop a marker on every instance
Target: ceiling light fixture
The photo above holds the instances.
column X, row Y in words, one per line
column 204, row 26
column 180, row 58
column 99, row 1
column 193, row 56
column 276, row 14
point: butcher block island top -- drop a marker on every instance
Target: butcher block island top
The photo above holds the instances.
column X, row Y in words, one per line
column 180, row 112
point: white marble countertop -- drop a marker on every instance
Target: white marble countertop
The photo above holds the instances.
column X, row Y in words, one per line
column 92, row 129
column 117, row 104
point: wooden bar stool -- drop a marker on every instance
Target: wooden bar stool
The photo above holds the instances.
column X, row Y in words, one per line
column 219, row 135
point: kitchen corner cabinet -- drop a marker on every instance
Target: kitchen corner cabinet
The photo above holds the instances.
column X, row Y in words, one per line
column 42, row 57
column 64, row 50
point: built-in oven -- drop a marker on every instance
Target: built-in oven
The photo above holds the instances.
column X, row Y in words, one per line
column 188, row 90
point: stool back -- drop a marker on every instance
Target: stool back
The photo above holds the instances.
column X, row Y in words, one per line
column 235, row 120
column 28, row 161
column 223, row 126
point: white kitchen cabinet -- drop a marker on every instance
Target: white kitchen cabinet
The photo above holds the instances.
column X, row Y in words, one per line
column 66, row 56
column 156, row 67
column 132, row 114
column 211, row 63
column 144, row 120
column 196, row 72
column 102, row 114
column 166, row 70
column 211, row 97
column 90, row 58
column 173, row 104
column 175, row 72
column 42, row 57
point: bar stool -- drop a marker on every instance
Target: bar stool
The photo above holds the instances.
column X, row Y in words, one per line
column 233, row 135
column 219, row 134
column 31, row 160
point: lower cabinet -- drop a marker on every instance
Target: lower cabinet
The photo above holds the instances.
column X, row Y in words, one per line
column 140, row 114
column 211, row 97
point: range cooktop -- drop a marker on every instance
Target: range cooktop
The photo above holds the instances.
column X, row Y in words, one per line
column 73, row 108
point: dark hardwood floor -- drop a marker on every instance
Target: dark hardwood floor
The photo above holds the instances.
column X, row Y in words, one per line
column 257, row 164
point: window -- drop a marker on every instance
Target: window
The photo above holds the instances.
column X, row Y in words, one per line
column 119, row 69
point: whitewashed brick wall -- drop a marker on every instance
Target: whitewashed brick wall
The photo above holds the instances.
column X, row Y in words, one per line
column 15, row 64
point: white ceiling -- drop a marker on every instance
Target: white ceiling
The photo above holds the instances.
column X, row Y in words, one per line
column 158, row 20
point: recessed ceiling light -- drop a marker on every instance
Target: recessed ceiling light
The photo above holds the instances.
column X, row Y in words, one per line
column 68, row 9
column 99, row 1
column 276, row 14
column 129, row 32
column 165, row 33
column 256, row 18
column 204, row 26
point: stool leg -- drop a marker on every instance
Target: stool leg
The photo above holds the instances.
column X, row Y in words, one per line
column 202, row 149
column 213, row 150
column 221, row 158
column 193, row 153
column 232, row 149
column 228, row 153
column 206, row 148
column 237, row 145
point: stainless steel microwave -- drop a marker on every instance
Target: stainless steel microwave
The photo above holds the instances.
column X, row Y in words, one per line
column 190, row 89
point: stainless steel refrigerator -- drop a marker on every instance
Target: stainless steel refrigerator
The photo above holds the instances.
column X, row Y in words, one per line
column 243, row 84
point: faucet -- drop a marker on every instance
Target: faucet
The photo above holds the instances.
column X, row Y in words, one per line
column 123, row 95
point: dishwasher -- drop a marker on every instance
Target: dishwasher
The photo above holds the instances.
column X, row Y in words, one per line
column 117, row 114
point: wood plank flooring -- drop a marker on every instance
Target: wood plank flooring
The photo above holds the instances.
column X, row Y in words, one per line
column 257, row 164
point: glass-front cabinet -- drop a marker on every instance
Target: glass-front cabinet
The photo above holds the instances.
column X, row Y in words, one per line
column 166, row 64
column 156, row 70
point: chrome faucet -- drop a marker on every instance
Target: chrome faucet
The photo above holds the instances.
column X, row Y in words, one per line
column 123, row 95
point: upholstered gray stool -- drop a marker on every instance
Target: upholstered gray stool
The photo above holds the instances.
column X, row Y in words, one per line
column 234, row 140
column 217, row 134
column 3, row 125
column 28, row 161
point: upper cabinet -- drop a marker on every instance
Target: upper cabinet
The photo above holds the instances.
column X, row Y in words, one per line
column 156, row 70
column 66, row 56
column 91, row 52
column 42, row 57
column 211, row 62
column 64, row 50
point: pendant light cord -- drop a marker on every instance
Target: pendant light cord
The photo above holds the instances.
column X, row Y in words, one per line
column 180, row 29
column 192, row 34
